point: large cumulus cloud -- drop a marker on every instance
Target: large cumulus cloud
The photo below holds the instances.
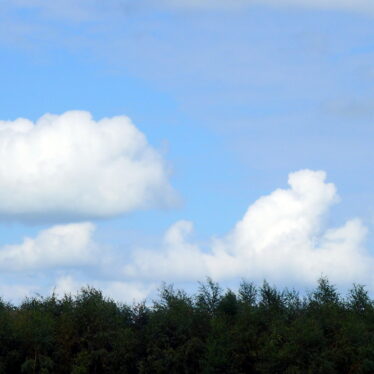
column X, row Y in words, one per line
column 71, row 167
column 282, row 237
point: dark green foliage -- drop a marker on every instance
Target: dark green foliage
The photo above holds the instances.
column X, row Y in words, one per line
column 257, row 330
column 208, row 297
column 248, row 293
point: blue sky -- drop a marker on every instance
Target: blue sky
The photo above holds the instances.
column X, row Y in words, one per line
column 231, row 99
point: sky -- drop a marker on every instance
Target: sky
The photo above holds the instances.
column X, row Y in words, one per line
column 157, row 141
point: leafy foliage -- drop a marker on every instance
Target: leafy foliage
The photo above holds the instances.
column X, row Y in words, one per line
column 256, row 330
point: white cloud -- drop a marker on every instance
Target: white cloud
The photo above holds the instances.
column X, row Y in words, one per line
column 58, row 246
column 71, row 167
column 17, row 292
column 117, row 290
column 280, row 238
column 67, row 258
column 177, row 260
column 120, row 291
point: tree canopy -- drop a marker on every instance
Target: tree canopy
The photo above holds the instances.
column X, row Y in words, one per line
column 255, row 330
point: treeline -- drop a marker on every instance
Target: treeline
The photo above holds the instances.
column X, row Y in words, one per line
column 256, row 330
